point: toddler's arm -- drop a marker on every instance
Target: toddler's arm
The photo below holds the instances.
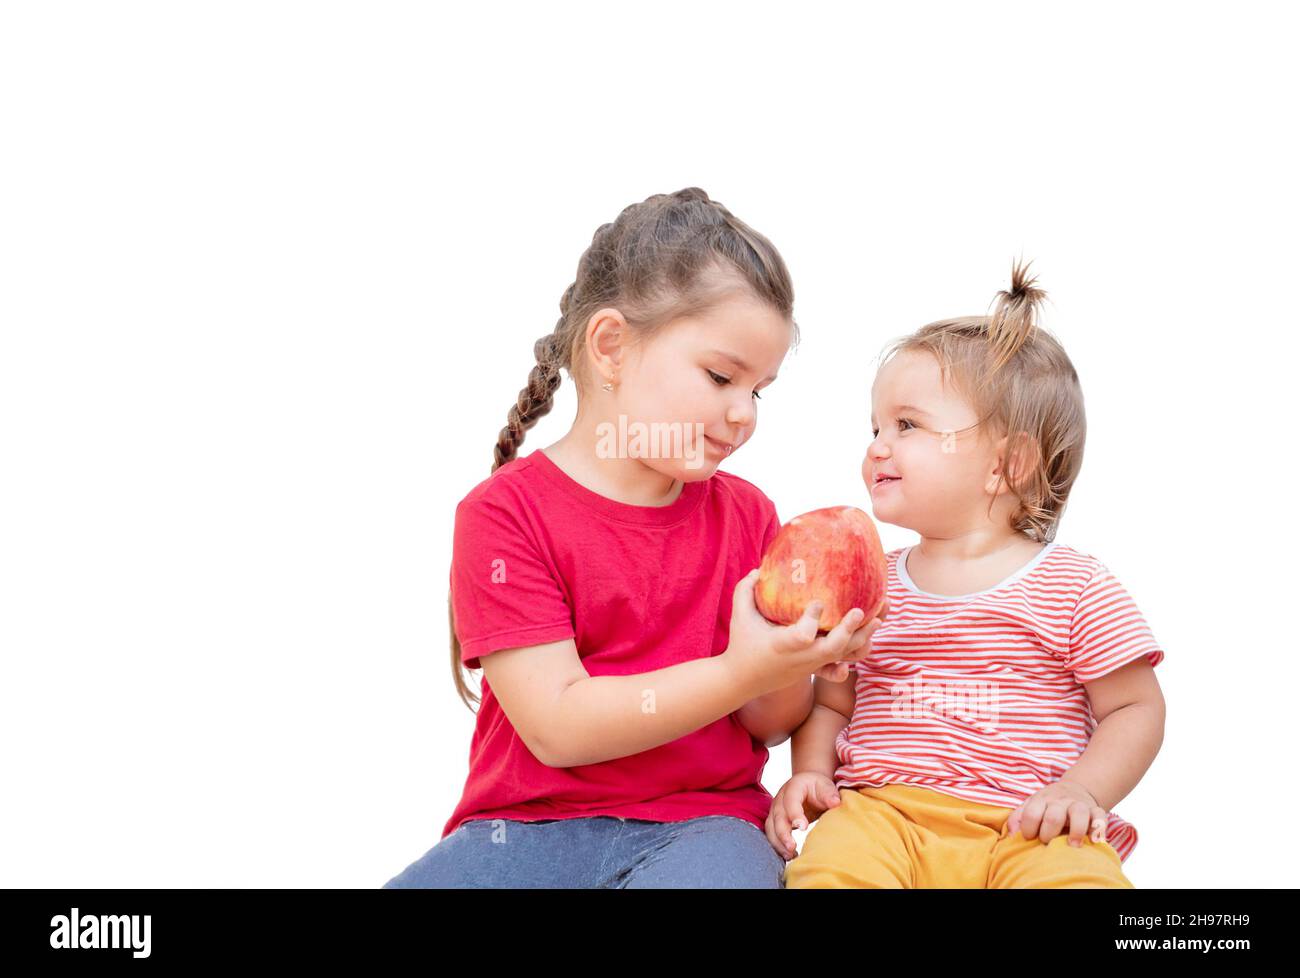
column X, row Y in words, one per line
column 1130, row 712
column 813, row 745
column 811, row 788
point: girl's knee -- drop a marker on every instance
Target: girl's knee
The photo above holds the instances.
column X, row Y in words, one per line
column 713, row 852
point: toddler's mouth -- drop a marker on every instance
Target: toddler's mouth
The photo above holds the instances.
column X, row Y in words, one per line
column 884, row 480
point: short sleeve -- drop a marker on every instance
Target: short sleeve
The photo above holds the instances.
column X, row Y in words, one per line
column 504, row 595
column 770, row 531
column 1107, row 630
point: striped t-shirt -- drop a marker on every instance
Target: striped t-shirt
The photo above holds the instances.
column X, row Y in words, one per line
column 981, row 696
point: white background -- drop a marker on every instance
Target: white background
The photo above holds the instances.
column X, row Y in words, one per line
column 270, row 278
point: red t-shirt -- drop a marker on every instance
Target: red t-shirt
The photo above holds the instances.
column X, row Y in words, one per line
column 538, row 558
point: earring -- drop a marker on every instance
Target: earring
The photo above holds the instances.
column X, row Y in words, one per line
column 608, row 387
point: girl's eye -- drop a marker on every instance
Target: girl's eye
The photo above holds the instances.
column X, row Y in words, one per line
column 724, row 381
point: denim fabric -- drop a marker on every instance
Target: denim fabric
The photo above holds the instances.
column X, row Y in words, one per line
column 599, row 852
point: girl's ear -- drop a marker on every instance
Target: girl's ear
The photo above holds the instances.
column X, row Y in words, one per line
column 607, row 341
column 1015, row 462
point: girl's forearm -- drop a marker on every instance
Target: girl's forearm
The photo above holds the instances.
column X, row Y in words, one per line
column 812, row 748
column 601, row 718
column 1121, row 749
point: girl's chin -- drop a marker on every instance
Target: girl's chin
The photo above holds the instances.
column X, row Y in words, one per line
column 695, row 471
column 687, row 469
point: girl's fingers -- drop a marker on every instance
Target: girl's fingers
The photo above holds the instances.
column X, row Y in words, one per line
column 833, row 645
column 860, row 643
column 803, row 632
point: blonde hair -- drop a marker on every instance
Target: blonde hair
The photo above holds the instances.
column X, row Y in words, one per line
column 1019, row 379
column 663, row 258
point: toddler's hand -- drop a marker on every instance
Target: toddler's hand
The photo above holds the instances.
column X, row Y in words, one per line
column 801, row 799
column 1060, row 805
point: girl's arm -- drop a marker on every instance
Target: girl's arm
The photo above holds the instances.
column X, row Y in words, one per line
column 1130, row 710
column 568, row 718
column 771, row 717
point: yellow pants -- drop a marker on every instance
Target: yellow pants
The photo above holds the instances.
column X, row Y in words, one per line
column 904, row 836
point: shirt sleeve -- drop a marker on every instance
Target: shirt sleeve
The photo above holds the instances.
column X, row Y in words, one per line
column 504, row 594
column 1107, row 630
column 770, row 531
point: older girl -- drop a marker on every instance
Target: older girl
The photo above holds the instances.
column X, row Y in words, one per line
column 630, row 688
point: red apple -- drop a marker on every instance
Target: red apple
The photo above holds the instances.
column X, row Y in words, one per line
column 829, row 555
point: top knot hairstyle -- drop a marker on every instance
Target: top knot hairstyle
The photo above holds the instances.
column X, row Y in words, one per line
column 1019, row 379
column 668, row 257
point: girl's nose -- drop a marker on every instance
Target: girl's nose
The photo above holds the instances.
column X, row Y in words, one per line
column 742, row 414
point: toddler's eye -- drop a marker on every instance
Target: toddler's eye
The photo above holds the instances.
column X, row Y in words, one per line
column 875, row 432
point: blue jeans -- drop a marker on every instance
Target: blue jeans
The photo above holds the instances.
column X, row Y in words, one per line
column 599, row 852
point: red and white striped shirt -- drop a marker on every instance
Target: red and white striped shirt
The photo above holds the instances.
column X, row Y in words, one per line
column 981, row 696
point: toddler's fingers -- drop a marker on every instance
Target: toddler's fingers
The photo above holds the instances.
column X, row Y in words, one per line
column 1031, row 818
column 1099, row 819
column 830, row 796
column 780, row 831
column 835, row 672
column 1053, row 822
column 794, row 813
column 769, row 829
column 1080, row 812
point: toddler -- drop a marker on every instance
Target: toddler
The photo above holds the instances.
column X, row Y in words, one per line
column 1009, row 701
